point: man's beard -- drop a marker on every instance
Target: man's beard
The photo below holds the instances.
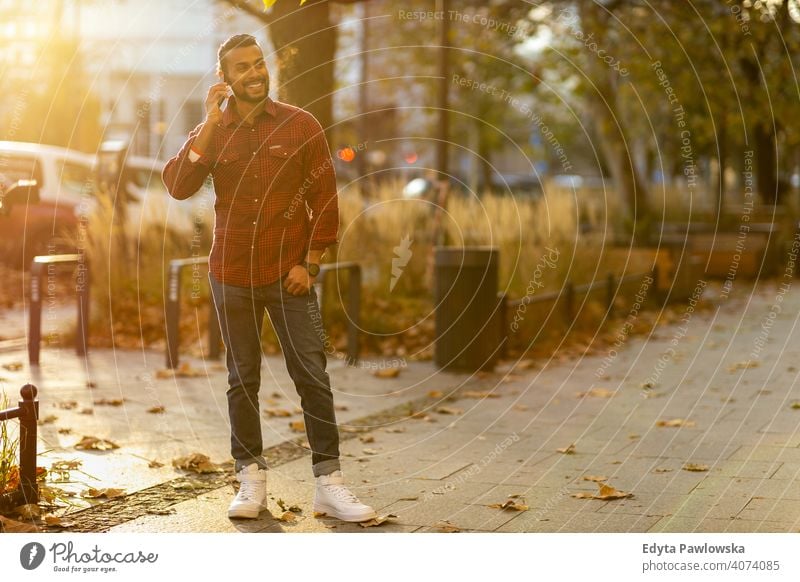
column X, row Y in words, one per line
column 243, row 96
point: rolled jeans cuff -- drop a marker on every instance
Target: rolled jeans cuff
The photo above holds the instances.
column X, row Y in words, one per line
column 326, row 467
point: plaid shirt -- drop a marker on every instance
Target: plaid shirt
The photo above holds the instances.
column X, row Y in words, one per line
column 275, row 192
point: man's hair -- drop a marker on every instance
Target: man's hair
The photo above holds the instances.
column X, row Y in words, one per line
column 236, row 41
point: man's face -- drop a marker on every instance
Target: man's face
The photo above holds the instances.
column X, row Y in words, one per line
column 246, row 72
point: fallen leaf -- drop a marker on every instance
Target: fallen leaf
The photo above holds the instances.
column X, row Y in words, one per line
column 605, row 492
column 448, row 410
column 96, row 444
column 155, row 464
column 435, row 394
column 341, row 407
column 381, row 519
column 288, row 516
column 188, row 484
column 90, row 384
column 597, row 393
column 65, row 430
column 10, row 526
column 108, row 493
column 521, row 407
column 156, row 511
column 397, row 429
column 297, row 426
column 13, row 366
column 796, row 405
column 569, row 450
column 675, row 422
column 699, row 467
column 510, row 504
column 366, row 438
column 110, row 401
column 479, row 395
column 86, row 411
column 66, row 465
column 293, row 508
column 371, row 451
column 445, row 526
column 744, row 365
column 277, row 412
column 49, row 419
column 410, row 498
column 196, row 462
column 54, row 521
column 595, row 478
column 28, row 511
column 662, row 470
column 387, row 373
column 156, row 409
column 67, row 405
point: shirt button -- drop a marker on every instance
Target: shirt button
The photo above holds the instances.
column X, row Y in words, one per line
column 255, row 199
column 254, row 222
column 255, row 175
column 254, row 153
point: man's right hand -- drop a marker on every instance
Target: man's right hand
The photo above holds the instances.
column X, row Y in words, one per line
column 216, row 93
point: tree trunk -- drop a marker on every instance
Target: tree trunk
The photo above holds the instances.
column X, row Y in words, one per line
column 766, row 163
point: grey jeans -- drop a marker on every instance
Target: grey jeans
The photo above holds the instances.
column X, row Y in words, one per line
column 298, row 325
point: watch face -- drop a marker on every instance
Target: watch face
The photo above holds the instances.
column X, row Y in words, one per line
column 313, row 269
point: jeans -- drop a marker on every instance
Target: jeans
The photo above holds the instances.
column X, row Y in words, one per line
column 298, row 325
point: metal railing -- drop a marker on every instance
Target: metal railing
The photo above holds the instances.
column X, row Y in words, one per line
column 173, row 308
column 27, row 412
column 173, row 313
column 51, row 262
column 568, row 293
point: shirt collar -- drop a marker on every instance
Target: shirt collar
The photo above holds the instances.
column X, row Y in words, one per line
column 231, row 115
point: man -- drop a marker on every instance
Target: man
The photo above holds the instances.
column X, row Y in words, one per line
column 276, row 212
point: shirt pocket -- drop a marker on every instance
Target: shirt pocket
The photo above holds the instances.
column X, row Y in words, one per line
column 285, row 168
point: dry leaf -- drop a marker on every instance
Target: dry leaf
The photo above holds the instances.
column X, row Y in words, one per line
column 65, row 430
column 108, row 493
column 381, row 519
column 156, row 409
column 595, row 478
column 366, row 438
column 661, row 470
column 277, row 412
column 744, row 365
column 605, row 492
column 479, row 395
column 67, row 405
column 293, row 508
column 86, row 411
column 110, row 401
column 510, row 504
column 675, row 422
column 445, row 526
column 13, row 366
column 448, row 410
column 435, row 394
column 66, row 465
column 96, row 444
column 569, row 450
column 49, row 419
column 371, row 452
column 341, row 407
column 521, row 407
column 297, row 426
column 795, row 405
column 288, row 516
column 155, row 464
column 386, row 373
column 54, row 521
column 410, row 498
column 29, row 511
column 597, row 393
column 397, row 429
column 196, row 462
column 699, row 467
column 10, row 526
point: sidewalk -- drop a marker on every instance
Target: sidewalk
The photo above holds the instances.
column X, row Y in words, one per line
column 482, row 439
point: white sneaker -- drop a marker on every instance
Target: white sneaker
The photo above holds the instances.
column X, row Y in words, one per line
column 252, row 496
column 334, row 499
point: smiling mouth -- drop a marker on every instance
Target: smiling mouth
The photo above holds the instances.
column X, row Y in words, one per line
column 255, row 85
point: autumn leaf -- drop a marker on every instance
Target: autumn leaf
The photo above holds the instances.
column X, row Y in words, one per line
column 66, row 465
column 521, row 407
column 695, row 467
column 108, row 493
column 28, row 511
column 397, row 429
column 366, row 438
column 569, row 450
column 595, row 478
column 110, row 401
column 297, row 426
column 277, row 412
column 156, row 409
column 197, row 463
column 661, row 470
column 371, row 451
column 155, row 464
column 435, row 394
column 288, row 516
column 381, row 519
column 53, row 521
column 96, row 444
column 597, row 393
column 387, row 373
column 49, row 419
column 796, row 405
column 478, row 394
column 675, row 422
column 510, row 504
column 445, row 526
column 10, row 526
column 744, row 365
column 13, row 366
column 67, row 405
column 65, row 430
column 448, row 410
column 605, row 492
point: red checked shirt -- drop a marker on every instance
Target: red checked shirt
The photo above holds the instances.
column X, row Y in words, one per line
column 275, row 192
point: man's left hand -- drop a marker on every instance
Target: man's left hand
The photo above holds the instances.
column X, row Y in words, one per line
column 298, row 281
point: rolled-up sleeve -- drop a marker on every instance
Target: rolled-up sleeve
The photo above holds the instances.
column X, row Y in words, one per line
column 182, row 176
column 320, row 194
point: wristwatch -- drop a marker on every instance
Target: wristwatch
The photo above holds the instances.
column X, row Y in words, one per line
column 312, row 268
